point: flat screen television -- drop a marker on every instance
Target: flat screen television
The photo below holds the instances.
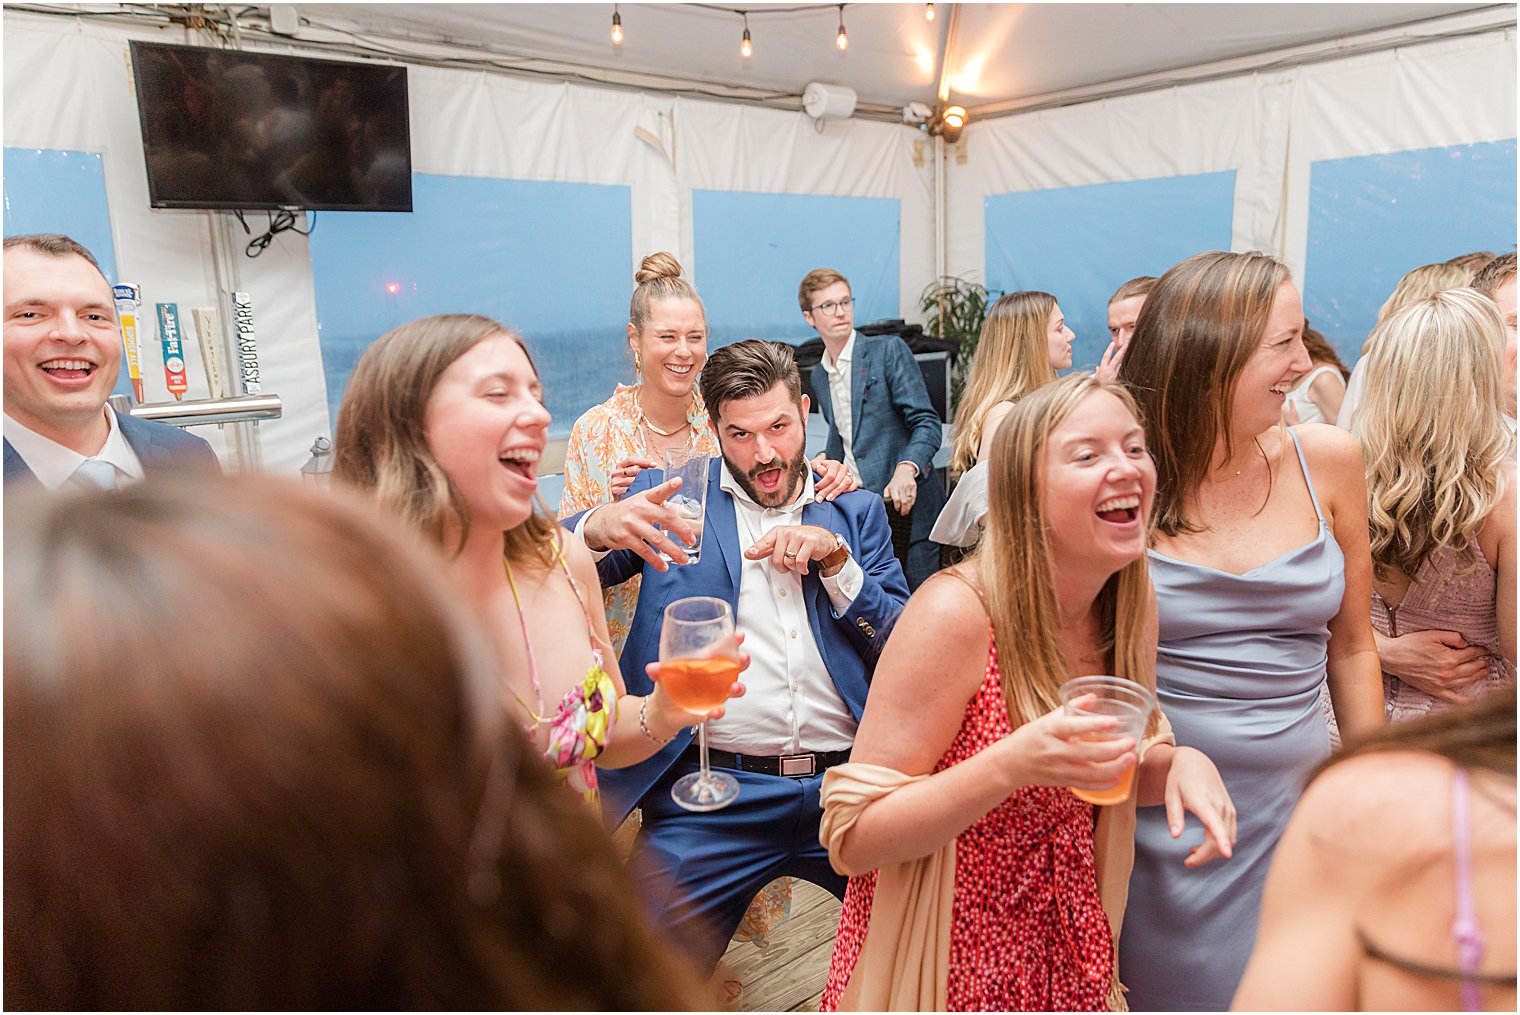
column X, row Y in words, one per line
column 226, row 128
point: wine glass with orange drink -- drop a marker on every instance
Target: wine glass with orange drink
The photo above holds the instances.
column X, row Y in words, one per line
column 699, row 662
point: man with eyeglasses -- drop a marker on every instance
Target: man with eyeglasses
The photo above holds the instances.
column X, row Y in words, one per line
column 881, row 423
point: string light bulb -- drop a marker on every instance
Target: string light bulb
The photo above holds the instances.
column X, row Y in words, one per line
column 745, row 49
column 928, row 12
column 842, row 40
column 617, row 26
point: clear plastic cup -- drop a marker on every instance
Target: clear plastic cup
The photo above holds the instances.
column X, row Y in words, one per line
column 690, row 501
column 1124, row 700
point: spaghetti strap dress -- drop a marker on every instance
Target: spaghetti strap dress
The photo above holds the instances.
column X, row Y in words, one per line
column 1452, row 592
column 1028, row 931
column 581, row 725
column 1239, row 667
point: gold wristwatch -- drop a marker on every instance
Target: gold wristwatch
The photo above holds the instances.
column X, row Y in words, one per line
column 836, row 557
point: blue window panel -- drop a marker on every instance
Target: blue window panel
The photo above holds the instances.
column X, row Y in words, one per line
column 550, row 260
column 53, row 191
column 1374, row 217
column 1081, row 243
column 752, row 250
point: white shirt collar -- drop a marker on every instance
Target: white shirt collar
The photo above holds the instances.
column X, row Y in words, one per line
column 730, row 485
column 843, row 359
column 53, row 464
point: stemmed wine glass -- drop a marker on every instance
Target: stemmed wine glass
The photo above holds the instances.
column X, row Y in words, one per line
column 699, row 662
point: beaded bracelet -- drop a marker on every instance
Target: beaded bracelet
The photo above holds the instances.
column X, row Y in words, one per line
column 644, row 722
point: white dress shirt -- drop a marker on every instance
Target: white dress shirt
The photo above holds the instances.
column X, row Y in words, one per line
column 838, row 371
column 790, row 703
column 53, row 464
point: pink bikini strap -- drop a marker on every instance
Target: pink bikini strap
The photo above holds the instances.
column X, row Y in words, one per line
column 1464, row 928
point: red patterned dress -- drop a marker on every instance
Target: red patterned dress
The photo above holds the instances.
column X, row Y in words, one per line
column 1028, row 932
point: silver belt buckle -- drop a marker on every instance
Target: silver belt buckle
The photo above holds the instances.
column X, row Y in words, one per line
column 797, row 765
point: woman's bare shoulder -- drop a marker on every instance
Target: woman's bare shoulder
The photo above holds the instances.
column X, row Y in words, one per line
column 1381, row 806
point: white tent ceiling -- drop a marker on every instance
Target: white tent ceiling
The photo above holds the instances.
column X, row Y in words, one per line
column 1007, row 54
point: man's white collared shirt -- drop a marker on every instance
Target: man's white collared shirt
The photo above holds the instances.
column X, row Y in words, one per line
column 838, row 371
column 790, row 703
column 53, row 464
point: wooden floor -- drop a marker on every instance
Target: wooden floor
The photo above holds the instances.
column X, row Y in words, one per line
column 789, row 974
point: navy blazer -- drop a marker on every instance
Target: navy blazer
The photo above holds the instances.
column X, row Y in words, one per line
column 160, row 447
column 893, row 421
column 848, row 644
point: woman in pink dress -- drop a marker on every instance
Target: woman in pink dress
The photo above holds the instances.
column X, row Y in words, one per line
column 1441, row 495
column 979, row 881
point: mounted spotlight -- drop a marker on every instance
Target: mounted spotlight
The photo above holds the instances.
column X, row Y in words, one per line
column 949, row 122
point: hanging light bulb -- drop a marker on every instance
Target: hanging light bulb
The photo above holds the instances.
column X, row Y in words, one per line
column 928, row 12
column 617, row 26
column 745, row 49
column 842, row 40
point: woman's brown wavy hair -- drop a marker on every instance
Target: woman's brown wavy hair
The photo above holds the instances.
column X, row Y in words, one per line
column 380, row 444
column 1198, row 328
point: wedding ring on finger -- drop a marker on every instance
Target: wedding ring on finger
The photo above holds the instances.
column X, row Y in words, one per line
column 789, row 556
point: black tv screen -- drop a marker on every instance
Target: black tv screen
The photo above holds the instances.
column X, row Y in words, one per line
column 227, row 128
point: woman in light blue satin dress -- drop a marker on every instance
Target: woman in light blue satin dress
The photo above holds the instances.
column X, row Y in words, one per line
column 1260, row 560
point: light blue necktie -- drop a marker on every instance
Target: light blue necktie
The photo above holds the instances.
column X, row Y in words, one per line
column 95, row 474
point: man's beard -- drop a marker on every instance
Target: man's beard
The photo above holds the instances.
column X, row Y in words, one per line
column 794, row 475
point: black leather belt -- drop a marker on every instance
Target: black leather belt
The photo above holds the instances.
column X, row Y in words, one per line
column 793, row 766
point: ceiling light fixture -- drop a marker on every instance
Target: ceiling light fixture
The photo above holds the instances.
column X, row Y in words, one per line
column 842, row 40
column 617, row 26
column 745, row 49
column 948, row 122
column 928, row 12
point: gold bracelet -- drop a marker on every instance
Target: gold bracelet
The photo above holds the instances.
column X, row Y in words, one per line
column 644, row 722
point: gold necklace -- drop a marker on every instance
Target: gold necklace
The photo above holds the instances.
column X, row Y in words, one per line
column 663, row 433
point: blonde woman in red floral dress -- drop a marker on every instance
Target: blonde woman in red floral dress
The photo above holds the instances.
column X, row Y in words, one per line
column 979, row 880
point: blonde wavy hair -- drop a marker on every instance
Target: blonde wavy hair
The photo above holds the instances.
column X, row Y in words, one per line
column 381, row 446
column 1417, row 284
column 1011, row 359
column 1015, row 569
column 1431, row 428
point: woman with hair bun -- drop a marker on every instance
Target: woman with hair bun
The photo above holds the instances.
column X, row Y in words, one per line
column 611, row 442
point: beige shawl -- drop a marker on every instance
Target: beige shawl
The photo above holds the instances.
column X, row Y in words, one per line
column 904, row 960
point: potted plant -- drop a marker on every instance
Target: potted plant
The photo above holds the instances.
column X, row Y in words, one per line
column 955, row 308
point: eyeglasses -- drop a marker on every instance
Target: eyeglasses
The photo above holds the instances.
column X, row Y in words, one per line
column 833, row 307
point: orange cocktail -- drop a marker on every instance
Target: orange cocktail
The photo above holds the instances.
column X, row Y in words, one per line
column 1115, row 794
column 699, row 685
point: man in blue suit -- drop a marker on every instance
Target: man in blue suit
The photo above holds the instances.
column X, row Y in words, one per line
column 881, row 424
column 62, row 356
column 813, row 587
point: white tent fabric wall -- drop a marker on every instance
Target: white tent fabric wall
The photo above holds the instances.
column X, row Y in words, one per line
column 726, row 147
column 67, row 87
column 1268, row 127
column 1453, row 92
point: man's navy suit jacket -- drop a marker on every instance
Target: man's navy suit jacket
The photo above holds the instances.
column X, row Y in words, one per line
column 160, row 447
column 893, row 422
column 848, row 644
